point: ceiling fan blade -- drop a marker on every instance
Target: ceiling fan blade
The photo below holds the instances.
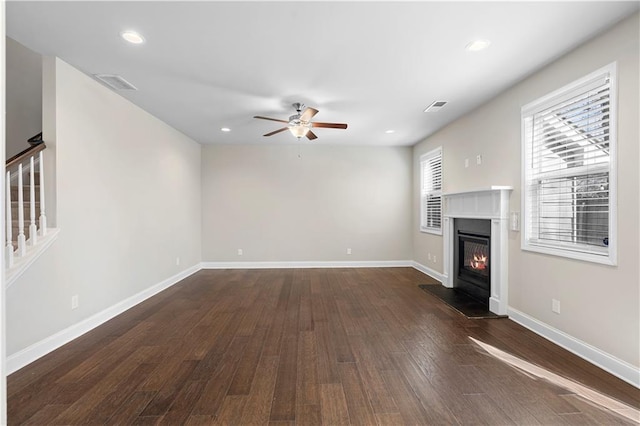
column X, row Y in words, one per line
column 308, row 114
column 311, row 136
column 272, row 119
column 330, row 125
column 276, row 131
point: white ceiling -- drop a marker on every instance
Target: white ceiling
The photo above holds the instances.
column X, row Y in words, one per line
column 373, row 65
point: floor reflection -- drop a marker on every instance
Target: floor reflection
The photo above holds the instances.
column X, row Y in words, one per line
column 596, row 398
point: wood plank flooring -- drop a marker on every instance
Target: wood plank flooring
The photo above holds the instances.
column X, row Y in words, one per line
column 306, row 347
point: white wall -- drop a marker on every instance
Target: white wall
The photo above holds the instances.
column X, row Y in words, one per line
column 600, row 304
column 128, row 204
column 23, row 96
column 278, row 207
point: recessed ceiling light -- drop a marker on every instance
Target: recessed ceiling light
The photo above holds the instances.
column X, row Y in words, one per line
column 225, row 129
column 477, row 45
column 132, row 37
column 389, row 131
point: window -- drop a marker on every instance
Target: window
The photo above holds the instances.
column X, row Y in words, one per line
column 568, row 162
column 431, row 192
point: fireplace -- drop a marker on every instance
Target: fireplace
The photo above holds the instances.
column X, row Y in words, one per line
column 484, row 216
column 472, row 251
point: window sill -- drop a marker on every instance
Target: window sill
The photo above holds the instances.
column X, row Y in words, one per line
column 603, row 259
column 431, row 231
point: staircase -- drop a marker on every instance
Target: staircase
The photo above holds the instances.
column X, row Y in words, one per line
column 26, row 230
column 26, row 203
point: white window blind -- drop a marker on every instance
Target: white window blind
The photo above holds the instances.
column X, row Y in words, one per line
column 568, row 147
column 431, row 192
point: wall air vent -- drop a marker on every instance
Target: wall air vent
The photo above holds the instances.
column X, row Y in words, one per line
column 436, row 106
column 115, row 82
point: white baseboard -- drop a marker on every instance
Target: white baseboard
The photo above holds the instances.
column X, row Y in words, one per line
column 613, row 365
column 433, row 274
column 294, row 265
column 26, row 356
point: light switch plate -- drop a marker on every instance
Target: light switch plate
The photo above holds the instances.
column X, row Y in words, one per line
column 514, row 221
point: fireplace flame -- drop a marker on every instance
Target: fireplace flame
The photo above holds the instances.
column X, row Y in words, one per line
column 479, row 262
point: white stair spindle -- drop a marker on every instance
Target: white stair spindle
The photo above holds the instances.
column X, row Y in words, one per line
column 33, row 229
column 9, row 248
column 22, row 246
column 43, row 217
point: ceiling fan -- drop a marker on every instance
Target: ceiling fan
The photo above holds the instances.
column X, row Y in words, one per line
column 300, row 124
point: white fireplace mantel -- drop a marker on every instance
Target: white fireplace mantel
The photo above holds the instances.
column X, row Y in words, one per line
column 493, row 204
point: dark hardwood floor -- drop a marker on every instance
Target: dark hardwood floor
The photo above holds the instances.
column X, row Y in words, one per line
column 307, row 346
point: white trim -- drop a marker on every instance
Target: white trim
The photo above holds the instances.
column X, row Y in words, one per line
column 434, row 231
column 613, row 365
column 473, row 191
column 424, row 158
column 21, row 264
column 300, row 265
column 583, row 253
column 569, row 90
column 595, row 356
column 491, row 204
column 432, row 273
column 570, row 253
column 26, row 356
column 39, row 349
column 613, row 166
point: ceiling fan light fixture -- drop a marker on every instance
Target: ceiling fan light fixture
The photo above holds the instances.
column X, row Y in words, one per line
column 300, row 124
column 299, row 130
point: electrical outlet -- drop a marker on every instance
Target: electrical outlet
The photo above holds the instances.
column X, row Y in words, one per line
column 240, row 252
column 478, row 159
column 348, row 251
column 555, row 306
column 466, row 162
column 429, row 256
column 434, row 259
column 75, row 301
column 177, row 261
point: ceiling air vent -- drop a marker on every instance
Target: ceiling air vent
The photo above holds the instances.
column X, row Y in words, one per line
column 436, row 106
column 115, row 82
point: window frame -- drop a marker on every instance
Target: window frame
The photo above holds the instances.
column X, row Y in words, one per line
column 608, row 255
column 424, row 159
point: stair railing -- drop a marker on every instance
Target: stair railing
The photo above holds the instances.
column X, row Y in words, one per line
column 27, row 159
